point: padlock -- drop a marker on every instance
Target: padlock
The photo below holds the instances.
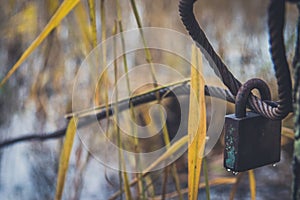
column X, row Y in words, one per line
column 251, row 140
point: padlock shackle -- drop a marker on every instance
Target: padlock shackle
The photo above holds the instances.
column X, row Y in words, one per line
column 244, row 93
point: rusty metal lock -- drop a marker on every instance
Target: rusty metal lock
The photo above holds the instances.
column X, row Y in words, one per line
column 251, row 140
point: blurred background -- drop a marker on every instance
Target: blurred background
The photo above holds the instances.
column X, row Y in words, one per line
column 36, row 98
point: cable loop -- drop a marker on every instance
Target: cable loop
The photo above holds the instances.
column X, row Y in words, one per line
column 245, row 91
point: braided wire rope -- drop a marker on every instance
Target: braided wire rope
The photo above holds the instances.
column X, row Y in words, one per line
column 233, row 84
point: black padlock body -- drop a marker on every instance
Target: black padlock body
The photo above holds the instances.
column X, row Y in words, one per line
column 250, row 142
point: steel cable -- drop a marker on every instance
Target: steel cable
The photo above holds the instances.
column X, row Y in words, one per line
column 165, row 92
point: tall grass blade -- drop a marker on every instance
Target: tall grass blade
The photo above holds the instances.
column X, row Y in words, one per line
column 132, row 114
column 213, row 182
column 140, row 187
column 235, row 185
column 252, row 184
column 196, row 125
column 91, row 4
column 147, row 51
column 173, row 148
column 119, row 139
column 155, row 83
column 165, row 182
column 104, row 77
column 149, row 185
column 288, row 132
column 177, row 181
column 101, row 94
column 205, row 170
column 64, row 158
column 60, row 14
column 81, row 17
